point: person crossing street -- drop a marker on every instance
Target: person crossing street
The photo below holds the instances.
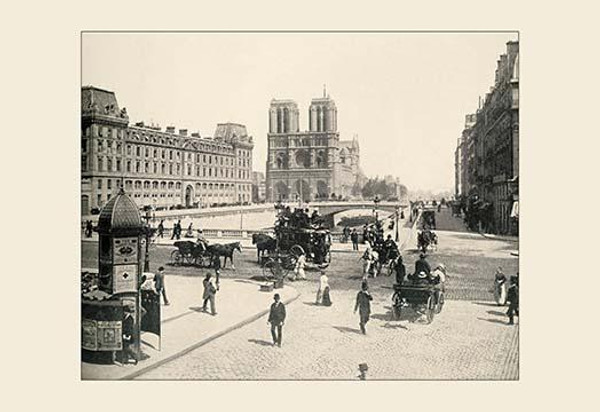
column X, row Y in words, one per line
column 277, row 316
column 363, row 305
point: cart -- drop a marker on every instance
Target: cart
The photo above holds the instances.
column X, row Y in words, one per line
column 424, row 299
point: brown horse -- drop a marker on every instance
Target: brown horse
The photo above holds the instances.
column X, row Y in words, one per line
column 263, row 243
column 226, row 251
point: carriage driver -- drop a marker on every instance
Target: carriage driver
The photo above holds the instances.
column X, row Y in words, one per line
column 422, row 265
column 201, row 240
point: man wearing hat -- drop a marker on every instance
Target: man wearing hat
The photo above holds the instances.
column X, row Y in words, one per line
column 513, row 299
column 422, row 265
column 363, row 305
column 276, row 319
column 210, row 290
column 159, row 284
column 129, row 336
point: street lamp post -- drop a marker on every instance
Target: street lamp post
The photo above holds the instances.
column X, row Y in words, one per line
column 147, row 232
column 397, row 219
column 376, row 201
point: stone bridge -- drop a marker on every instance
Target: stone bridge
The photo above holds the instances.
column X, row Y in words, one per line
column 332, row 208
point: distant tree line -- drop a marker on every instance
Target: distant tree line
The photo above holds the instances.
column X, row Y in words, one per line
column 379, row 187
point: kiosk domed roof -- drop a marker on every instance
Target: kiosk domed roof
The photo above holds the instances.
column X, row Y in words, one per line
column 119, row 214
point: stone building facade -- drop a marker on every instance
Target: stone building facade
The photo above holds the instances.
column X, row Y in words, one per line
column 160, row 169
column 489, row 148
column 309, row 165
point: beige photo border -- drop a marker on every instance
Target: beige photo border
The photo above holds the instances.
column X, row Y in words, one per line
column 41, row 225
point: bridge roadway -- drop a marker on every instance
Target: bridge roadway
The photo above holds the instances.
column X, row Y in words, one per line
column 254, row 217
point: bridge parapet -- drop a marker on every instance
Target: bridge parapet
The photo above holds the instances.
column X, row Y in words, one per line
column 331, row 208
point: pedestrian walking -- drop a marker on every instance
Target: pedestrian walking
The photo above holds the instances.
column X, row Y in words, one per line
column 174, row 234
column 513, row 299
column 129, row 336
column 276, row 319
column 354, row 239
column 400, row 270
column 323, row 288
column 178, row 230
column 89, row 227
column 161, row 228
column 299, row 268
column 159, row 284
column 363, row 305
column 362, row 371
column 210, row 290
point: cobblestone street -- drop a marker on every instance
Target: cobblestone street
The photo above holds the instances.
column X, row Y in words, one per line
column 469, row 339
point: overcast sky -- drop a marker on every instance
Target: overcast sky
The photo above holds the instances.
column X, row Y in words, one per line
column 404, row 94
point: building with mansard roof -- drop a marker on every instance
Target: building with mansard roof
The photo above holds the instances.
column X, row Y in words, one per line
column 309, row 165
column 160, row 169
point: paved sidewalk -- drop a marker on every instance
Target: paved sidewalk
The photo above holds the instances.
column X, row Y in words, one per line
column 185, row 327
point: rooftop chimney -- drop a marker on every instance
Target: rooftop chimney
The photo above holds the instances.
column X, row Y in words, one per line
column 183, row 132
column 196, row 134
column 170, row 129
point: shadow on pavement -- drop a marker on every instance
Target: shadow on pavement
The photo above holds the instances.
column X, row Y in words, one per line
column 312, row 304
column 389, row 325
column 502, row 322
column 495, row 312
column 260, row 342
column 405, row 314
column 346, row 329
column 486, row 304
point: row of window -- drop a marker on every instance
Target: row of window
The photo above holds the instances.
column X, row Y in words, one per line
column 107, row 165
column 155, row 185
column 145, row 151
column 171, row 195
column 150, row 137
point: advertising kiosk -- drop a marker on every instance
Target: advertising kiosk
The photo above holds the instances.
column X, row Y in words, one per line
column 110, row 310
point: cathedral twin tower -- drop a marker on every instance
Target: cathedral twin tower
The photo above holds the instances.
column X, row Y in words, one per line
column 284, row 116
column 308, row 165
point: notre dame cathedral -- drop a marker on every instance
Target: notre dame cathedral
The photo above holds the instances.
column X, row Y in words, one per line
column 310, row 165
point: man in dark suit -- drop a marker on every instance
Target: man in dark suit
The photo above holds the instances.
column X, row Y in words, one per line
column 129, row 336
column 422, row 265
column 276, row 319
column 210, row 291
column 354, row 238
column 363, row 305
column 159, row 284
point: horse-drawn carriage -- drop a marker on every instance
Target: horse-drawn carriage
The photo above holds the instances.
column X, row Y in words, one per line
column 190, row 253
column 202, row 254
column 425, row 299
column 426, row 239
column 428, row 217
column 279, row 255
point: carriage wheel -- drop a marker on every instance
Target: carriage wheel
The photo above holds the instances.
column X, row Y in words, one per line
column 391, row 268
column 429, row 310
column 288, row 262
column 439, row 303
column 205, row 261
column 189, row 259
column 176, row 257
column 297, row 250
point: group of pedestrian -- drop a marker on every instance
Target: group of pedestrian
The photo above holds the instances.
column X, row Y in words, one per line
column 176, row 230
column 504, row 295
